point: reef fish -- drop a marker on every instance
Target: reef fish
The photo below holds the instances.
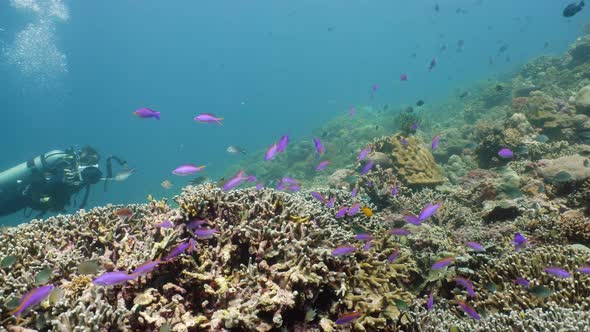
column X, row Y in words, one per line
column 283, row 142
column 347, row 318
column 165, row 224
column 271, row 152
column 403, row 77
column 32, row 298
column 364, row 237
column 467, row 284
column 235, row 150
column 367, row 167
column 367, row 211
column 584, row 269
column 557, row 271
column 354, row 209
column 353, row 192
column 330, row 203
column 468, row 310
column 187, row 169
column 342, row 211
column 399, row 231
column 394, row 190
column 393, row 256
column 322, row 165
column 146, row 267
column 259, row 186
column 435, row 142
column 430, row 301
column 205, row 233
column 519, row 241
column 318, row 196
column 234, row 181
column 187, row 246
column 475, row 246
column 343, row 250
column 506, row 153
column 112, row 278
column 147, row 113
column 319, row 147
column 522, row 281
column 572, row 9
column 207, row 118
column 364, row 152
column 439, row 264
column 432, row 64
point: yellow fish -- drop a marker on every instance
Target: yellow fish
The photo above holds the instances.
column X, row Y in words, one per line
column 367, row 211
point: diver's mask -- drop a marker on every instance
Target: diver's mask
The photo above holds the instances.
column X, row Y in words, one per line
column 90, row 174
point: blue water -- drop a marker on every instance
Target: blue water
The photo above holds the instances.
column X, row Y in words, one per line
column 267, row 67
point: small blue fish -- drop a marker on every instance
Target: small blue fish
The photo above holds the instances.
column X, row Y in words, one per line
column 367, row 167
column 557, row 271
column 430, row 301
column 475, row 246
column 205, row 233
column 343, row 250
column 393, row 256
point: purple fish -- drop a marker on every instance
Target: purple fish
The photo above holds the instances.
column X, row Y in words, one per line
column 293, row 187
column 289, row 180
column 475, row 246
column 165, row 224
column 179, row 249
column 207, row 118
column 404, row 141
column 432, row 64
column 147, row 113
column 415, row 126
column 399, row 231
column 196, row 223
column 557, row 271
column 347, row 318
column 341, row 212
column 393, row 256
column 584, row 269
column 330, row 203
column 319, row 147
column 354, row 209
column 353, row 192
column 251, row 178
column 430, row 301
column 467, row 284
column 367, row 167
column 318, row 196
column 271, row 152
column 343, row 250
column 394, row 190
column 322, row 165
column 435, row 142
column 235, row 181
column 112, row 278
column 439, row 264
column 32, row 298
column 364, row 237
column 506, row 153
column 519, row 241
column 412, row 219
column 146, row 267
column 521, row 281
column 205, row 233
column 428, row 211
column 468, row 310
column 367, row 246
column 403, row 77
column 187, row 169
column 364, row 153
column 259, row 186
column 283, row 142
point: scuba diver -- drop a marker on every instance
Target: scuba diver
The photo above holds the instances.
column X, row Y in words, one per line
column 47, row 182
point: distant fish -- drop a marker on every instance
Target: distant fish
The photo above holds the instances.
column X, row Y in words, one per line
column 364, row 152
column 502, row 49
column 112, row 278
column 343, row 250
column 319, row 147
column 464, row 94
column 354, row 209
column 205, row 233
column 283, row 142
column 347, row 318
column 522, row 281
column 399, row 231
column 31, row 299
column 435, row 142
column 572, row 9
column 404, row 141
column 187, row 169
column 432, row 64
column 403, row 77
column 271, row 152
column 322, row 165
column 207, row 118
column 467, row 284
column 393, row 256
column 443, row 262
column 330, row 203
column 374, row 88
column 367, row 167
column 506, row 153
column 468, row 310
column 341, row 212
column 557, row 271
column 475, row 246
column 519, row 241
column 146, row 113
column 165, row 224
column 419, row 103
column 235, row 150
column 235, row 181
column 318, row 196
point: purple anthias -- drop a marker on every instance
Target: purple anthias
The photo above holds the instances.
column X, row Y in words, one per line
column 347, row 318
column 238, row 179
column 318, row 196
column 187, row 169
column 442, row 263
column 367, row 246
column 147, row 113
column 343, row 250
column 399, row 231
column 330, row 203
column 519, row 241
column 205, row 233
column 364, row 237
column 394, row 190
column 32, row 298
column 557, row 271
column 319, row 147
column 113, row 278
column 367, row 167
column 364, row 153
column 467, row 284
column 506, row 153
column 188, row 246
column 522, row 281
column 354, row 209
column 259, row 186
column 430, row 301
column 321, row 166
column 353, row 192
column 468, row 310
column 271, row 152
column 146, row 267
column 207, row 118
column 584, row 269
column 283, row 142
column 393, row 256
column 341, row 212
column 475, row 246
column 165, row 224
column 428, row 211
column 196, row 223
column 435, row 142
